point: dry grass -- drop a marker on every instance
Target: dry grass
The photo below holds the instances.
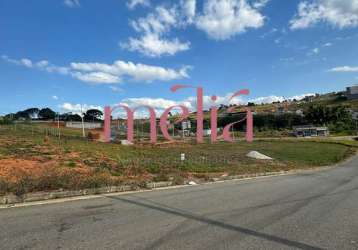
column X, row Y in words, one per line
column 33, row 162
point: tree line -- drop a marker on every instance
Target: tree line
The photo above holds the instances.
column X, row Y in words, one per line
column 336, row 118
column 46, row 114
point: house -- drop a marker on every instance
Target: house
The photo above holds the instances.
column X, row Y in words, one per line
column 352, row 92
column 308, row 131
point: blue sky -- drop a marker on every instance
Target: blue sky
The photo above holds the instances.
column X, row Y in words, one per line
column 63, row 53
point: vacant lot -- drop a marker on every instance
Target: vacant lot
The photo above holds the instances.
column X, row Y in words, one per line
column 31, row 161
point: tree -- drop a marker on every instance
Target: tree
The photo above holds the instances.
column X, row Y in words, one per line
column 47, row 114
column 337, row 118
column 318, row 114
column 93, row 115
column 22, row 115
column 10, row 116
column 33, row 113
column 74, row 118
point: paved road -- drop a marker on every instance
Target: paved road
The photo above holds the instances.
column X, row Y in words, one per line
column 304, row 211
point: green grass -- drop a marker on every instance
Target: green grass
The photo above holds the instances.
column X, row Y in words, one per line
column 201, row 157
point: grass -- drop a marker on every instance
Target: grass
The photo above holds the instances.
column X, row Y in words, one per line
column 34, row 162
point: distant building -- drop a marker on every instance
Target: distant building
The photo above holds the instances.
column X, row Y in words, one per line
column 308, row 131
column 207, row 132
column 308, row 98
column 87, row 125
column 352, row 93
column 299, row 112
column 186, row 125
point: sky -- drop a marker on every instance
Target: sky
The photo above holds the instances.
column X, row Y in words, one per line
column 68, row 54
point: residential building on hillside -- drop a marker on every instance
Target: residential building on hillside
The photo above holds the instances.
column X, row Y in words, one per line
column 352, row 93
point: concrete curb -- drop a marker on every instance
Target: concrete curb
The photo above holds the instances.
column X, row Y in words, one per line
column 43, row 196
column 12, row 200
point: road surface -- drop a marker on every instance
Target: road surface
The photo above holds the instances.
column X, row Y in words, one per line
column 304, row 211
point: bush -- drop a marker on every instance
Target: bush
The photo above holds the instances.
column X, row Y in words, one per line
column 5, row 121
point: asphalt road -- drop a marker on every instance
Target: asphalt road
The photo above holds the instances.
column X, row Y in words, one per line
column 303, row 211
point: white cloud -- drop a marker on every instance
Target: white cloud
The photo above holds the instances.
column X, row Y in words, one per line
column 338, row 13
column 267, row 99
column 26, row 62
column 154, row 28
column 22, row 62
column 72, row 3
column 55, row 97
column 189, row 9
column 96, row 77
column 101, row 73
column 131, row 4
column 157, row 103
column 220, row 19
column 300, row 97
column 78, row 108
column 116, row 89
column 327, row 45
column 152, row 45
column 41, row 65
column 57, row 69
column 137, row 72
column 260, row 3
column 225, row 18
column 274, row 98
column 344, row 69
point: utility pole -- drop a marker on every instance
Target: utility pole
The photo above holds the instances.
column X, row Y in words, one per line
column 58, row 126
column 83, row 124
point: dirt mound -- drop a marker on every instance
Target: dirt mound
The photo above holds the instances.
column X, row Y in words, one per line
column 257, row 155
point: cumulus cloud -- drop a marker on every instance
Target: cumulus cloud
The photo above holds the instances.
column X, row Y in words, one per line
column 260, row 3
column 72, row 3
column 153, row 28
column 274, row 98
column 338, row 13
column 96, row 77
column 220, row 19
column 189, row 10
column 131, row 4
column 101, row 73
column 137, row 72
column 225, row 18
column 344, row 69
column 153, row 46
